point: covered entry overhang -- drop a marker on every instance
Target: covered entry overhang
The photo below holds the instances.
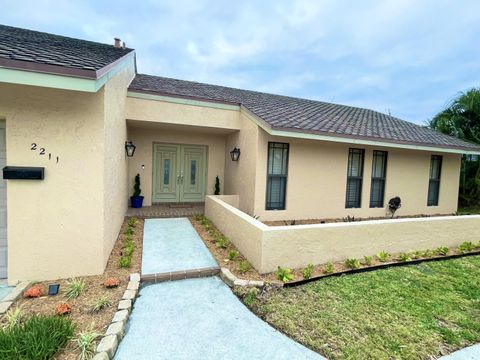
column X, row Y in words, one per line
column 176, row 163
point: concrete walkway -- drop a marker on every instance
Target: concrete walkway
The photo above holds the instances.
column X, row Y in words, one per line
column 201, row 319
column 173, row 245
column 469, row 353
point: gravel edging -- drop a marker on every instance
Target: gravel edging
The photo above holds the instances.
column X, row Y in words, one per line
column 8, row 300
column 109, row 343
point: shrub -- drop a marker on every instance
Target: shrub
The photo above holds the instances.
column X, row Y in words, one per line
column 100, row 304
column 128, row 231
column 233, row 254
column 125, row 261
column 199, row 217
column 13, row 318
column 222, row 242
column 63, row 309
column 428, row 253
column 466, row 247
column 404, row 257
column 38, row 338
column 352, row 263
column 132, row 222
column 383, row 256
column 417, row 254
column 217, row 186
column 250, row 296
column 136, row 187
column 111, row 282
column 284, row 274
column 328, row 268
column 442, row 250
column 86, row 344
column 34, row 292
column 307, row 271
column 368, row 260
column 244, row 266
column 74, row 288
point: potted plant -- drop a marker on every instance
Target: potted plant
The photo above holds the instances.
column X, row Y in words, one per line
column 136, row 200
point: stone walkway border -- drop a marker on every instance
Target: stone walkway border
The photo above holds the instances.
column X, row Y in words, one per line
column 232, row 281
column 8, row 300
column 108, row 345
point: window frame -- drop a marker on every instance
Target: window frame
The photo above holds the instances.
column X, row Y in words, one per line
column 383, row 179
column 357, row 178
column 436, row 181
column 268, row 203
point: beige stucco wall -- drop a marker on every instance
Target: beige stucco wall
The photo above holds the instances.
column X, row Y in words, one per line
column 64, row 225
column 244, row 231
column 55, row 226
column 142, row 162
column 115, row 159
column 317, row 178
column 296, row 246
column 240, row 175
column 182, row 114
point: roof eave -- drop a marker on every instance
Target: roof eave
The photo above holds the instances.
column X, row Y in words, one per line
column 352, row 139
column 59, row 77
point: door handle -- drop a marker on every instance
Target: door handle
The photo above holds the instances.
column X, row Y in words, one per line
column 181, row 177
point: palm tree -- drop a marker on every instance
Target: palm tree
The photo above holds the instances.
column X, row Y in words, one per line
column 462, row 119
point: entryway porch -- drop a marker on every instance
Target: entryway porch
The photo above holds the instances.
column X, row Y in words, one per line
column 167, row 210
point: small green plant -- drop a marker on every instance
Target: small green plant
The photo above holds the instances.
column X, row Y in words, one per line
column 243, row 266
column 233, row 254
column 417, row 254
column 13, row 318
column 74, row 288
column 442, row 250
column 284, row 274
column 125, row 261
column 128, row 231
column 102, row 303
column 328, row 268
column 132, row 222
column 466, row 247
column 368, row 260
column 39, row 337
column 86, row 344
column 250, row 296
column 199, row 217
column 404, row 257
column 383, row 256
column 222, row 242
column 428, row 253
column 352, row 263
column 217, row 186
column 307, row 271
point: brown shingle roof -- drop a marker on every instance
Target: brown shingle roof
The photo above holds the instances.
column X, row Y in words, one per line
column 40, row 51
column 302, row 115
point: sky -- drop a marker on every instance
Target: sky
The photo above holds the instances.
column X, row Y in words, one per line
column 407, row 58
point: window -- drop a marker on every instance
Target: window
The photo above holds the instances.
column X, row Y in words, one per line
column 354, row 178
column 434, row 182
column 166, row 171
column 379, row 171
column 277, row 175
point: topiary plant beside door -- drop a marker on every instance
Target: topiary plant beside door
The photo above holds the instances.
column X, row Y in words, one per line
column 137, row 200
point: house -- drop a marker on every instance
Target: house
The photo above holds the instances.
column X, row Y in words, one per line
column 68, row 107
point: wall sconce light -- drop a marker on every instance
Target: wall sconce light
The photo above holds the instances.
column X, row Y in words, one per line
column 235, row 154
column 130, row 148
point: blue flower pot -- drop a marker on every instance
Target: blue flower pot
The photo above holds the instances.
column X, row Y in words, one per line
column 136, row 201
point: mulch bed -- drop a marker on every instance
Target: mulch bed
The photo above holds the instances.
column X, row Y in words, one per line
column 344, row 220
column 81, row 314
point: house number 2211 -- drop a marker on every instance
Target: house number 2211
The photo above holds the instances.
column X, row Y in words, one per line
column 41, row 151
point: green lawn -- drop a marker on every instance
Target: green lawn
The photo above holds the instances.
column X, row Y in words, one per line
column 412, row 312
